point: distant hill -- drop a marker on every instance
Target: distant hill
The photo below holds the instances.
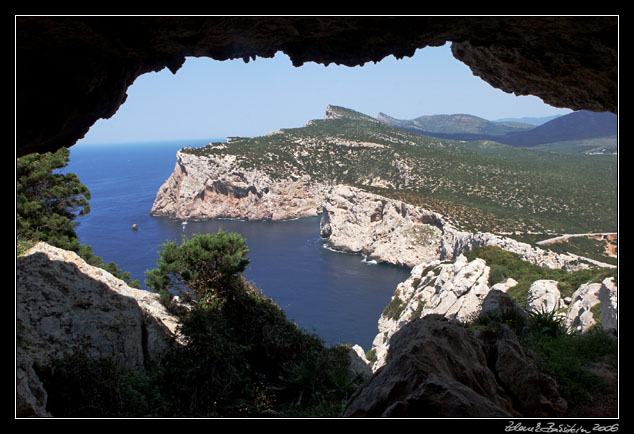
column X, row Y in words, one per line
column 530, row 120
column 579, row 125
column 580, row 131
column 456, row 126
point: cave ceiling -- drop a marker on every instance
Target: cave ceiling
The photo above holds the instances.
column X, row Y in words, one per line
column 72, row 71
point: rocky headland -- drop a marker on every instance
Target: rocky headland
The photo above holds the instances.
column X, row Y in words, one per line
column 353, row 220
column 207, row 187
column 392, row 231
column 422, row 328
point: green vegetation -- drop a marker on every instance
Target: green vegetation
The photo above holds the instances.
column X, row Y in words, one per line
column 566, row 357
column 80, row 386
column 46, row 205
column 394, row 308
column 592, row 247
column 479, row 186
column 504, row 264
column 199, row 268
column 243, row 356
column 47, row 202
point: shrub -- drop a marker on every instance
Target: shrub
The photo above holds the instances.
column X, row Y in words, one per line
column 242, row 356
column 566, row 358
column 79, row 386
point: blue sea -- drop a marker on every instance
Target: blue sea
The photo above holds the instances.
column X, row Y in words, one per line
column 337, row 296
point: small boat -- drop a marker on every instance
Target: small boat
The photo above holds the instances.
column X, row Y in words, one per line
column 184, row 224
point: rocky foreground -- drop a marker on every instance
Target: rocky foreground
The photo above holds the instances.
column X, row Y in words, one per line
column 65, row 306
column 425, row 362
column 460, row 290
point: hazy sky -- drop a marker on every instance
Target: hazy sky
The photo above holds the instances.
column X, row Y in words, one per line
column 213, row 99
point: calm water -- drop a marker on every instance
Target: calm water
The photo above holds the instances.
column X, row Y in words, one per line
column 335, row 295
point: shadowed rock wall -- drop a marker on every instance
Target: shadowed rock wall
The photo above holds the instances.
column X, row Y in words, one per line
column 73, row 71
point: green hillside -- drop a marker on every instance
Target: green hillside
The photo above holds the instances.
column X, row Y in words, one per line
column 479, row 186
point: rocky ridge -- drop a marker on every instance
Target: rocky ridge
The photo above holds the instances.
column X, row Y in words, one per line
column 460, row 290
column 395, row 232
column 427, row 364
column 64, row 305
column 436, row 368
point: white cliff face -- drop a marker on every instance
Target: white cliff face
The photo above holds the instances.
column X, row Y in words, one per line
column 207, row 187
column 455, row 290
column 379, row 228
column 392, row 231
column 593, row 303
column 65, row 304
column 382, row 229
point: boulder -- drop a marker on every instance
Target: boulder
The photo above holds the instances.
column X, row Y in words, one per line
column 543, row 297
column 535, row 394
column 454, row 290
column 64, row 305
column 591, row 304
column 435, row 368
column 608, row 297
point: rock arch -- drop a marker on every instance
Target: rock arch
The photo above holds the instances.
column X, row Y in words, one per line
column 73, row 70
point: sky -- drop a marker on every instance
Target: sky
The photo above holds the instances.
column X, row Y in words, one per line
column 218, row 99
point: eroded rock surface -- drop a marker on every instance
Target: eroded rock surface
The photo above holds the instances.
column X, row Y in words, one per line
column 65, row 306
column 436, row 369
column 460, row 290
column 392, row 231
column 207, row 187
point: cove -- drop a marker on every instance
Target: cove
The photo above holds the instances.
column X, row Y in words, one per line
column 337, row 296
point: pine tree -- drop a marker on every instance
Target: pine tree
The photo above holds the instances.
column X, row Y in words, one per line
column 200, row 267
column 48, row 202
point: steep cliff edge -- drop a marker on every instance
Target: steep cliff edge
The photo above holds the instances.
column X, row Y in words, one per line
column 207, row 187
column 428, row 363
column 482, row 189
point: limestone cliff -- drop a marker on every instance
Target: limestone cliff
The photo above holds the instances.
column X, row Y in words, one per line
column 393, row 231
column 218, row 185
column 207, row 187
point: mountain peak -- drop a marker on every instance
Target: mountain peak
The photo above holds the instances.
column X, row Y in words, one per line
column 338, row 112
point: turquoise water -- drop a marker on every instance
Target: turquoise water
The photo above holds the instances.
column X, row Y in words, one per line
column 338, row 296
